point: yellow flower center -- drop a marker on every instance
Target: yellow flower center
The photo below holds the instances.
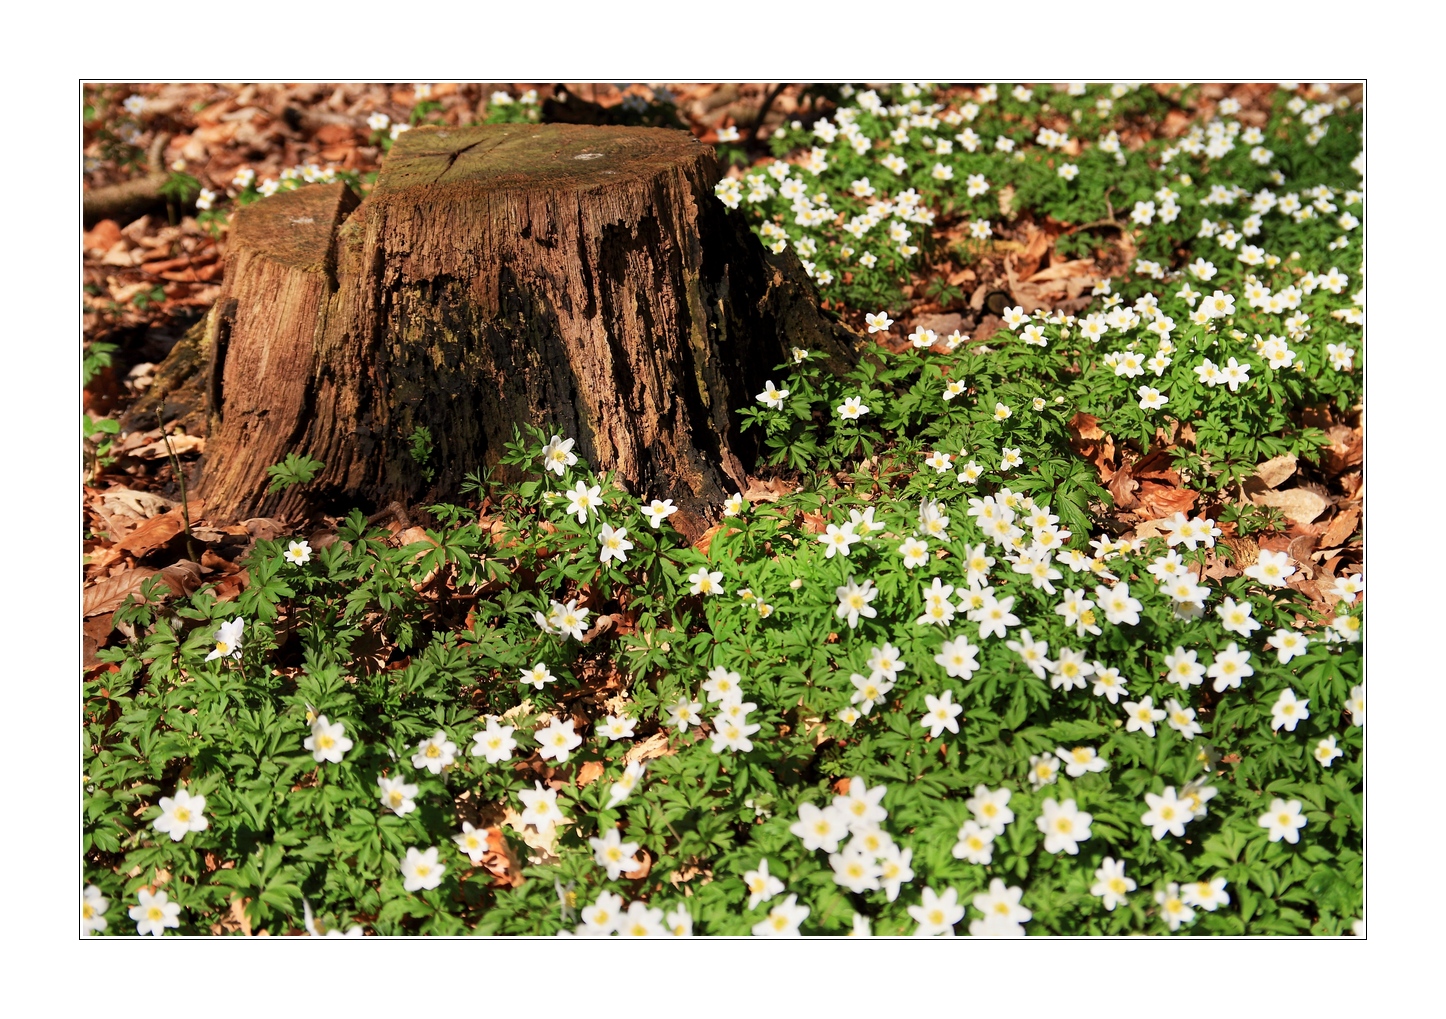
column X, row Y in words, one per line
column 154, row 913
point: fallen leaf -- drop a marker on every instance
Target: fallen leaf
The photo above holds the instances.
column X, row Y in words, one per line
column 102, row 237
column 500, row 861
column 544, row 841
column 264, row 528
column 814, row 523
column 705, row 540
column 1157, row 501
column 1273, row 473
column 156, row 531
column 414, row 536
column 1341, row 528
column 228, row 587
column 238, row 914
column 179, row 445
column 654, row 746
column 1036, row 246
column 1299, row 551
column 767, row 491
column 942, row 325
column 1300, row 505
column 1345, row 450
column 590, row 772
column 109, row 594
column 182, row 577
column 1064, row 270
column 133, row 503
column 1122, row 488
column 645, row 866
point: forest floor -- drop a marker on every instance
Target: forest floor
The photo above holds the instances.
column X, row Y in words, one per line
column 148, row 279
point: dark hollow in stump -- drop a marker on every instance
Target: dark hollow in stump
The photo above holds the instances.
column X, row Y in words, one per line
column 585, row 277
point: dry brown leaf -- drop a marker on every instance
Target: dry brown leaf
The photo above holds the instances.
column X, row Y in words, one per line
column 705, row 540
column 543, row 842
column 1085, row 427
column 589, row 773
column 183, row 577
column 413, row 536
column 102, row 237
column 263, row 528
column 1300, row 505
column 1341, row 528
column 1273, row 473
column 645, row 866
column 156, row 531
column 1035, row 247
column 1064, row 271
column 110, row 593
column 1157, row 501
column 814, row 523
column 767, row 491
column 238, row 915
column 1301, row 546
column 1122, row 486
column 654, row 746
column 1147, row 529
column 180, row 445
column 1345, row 450
column 500, row 861
column 143, row 505
column 228, row 587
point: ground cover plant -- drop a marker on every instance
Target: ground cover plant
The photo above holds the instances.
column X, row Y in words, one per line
column 1017, row 631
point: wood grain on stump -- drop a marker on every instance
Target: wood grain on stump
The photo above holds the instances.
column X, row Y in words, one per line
column 584, row 278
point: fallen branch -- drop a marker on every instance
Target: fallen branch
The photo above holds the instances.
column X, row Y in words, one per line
column 130, row 199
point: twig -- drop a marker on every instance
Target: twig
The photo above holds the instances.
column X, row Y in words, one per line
column 763, row 111
column 181, row 479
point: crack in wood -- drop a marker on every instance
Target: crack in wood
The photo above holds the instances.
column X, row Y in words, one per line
column 452, row 158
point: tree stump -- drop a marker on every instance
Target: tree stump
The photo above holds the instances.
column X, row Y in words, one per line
column 581, row 277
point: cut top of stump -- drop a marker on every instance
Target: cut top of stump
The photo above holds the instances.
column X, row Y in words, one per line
column 504, row 157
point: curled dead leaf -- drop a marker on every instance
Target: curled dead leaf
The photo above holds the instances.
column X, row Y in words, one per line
column 644, row 868
column 590, row 772
column 182, row 577
column 1064, row 270
column 1157, row 501
column 156, row 531
column 1341, row 528
column 767, row 491
column 705, row 541
column 109, row 594
column 179, row 446
column 654, row 746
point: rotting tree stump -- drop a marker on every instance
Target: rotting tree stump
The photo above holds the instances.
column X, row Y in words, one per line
column 581, row 277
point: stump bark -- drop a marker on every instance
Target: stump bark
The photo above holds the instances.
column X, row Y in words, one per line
column 582, row 277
